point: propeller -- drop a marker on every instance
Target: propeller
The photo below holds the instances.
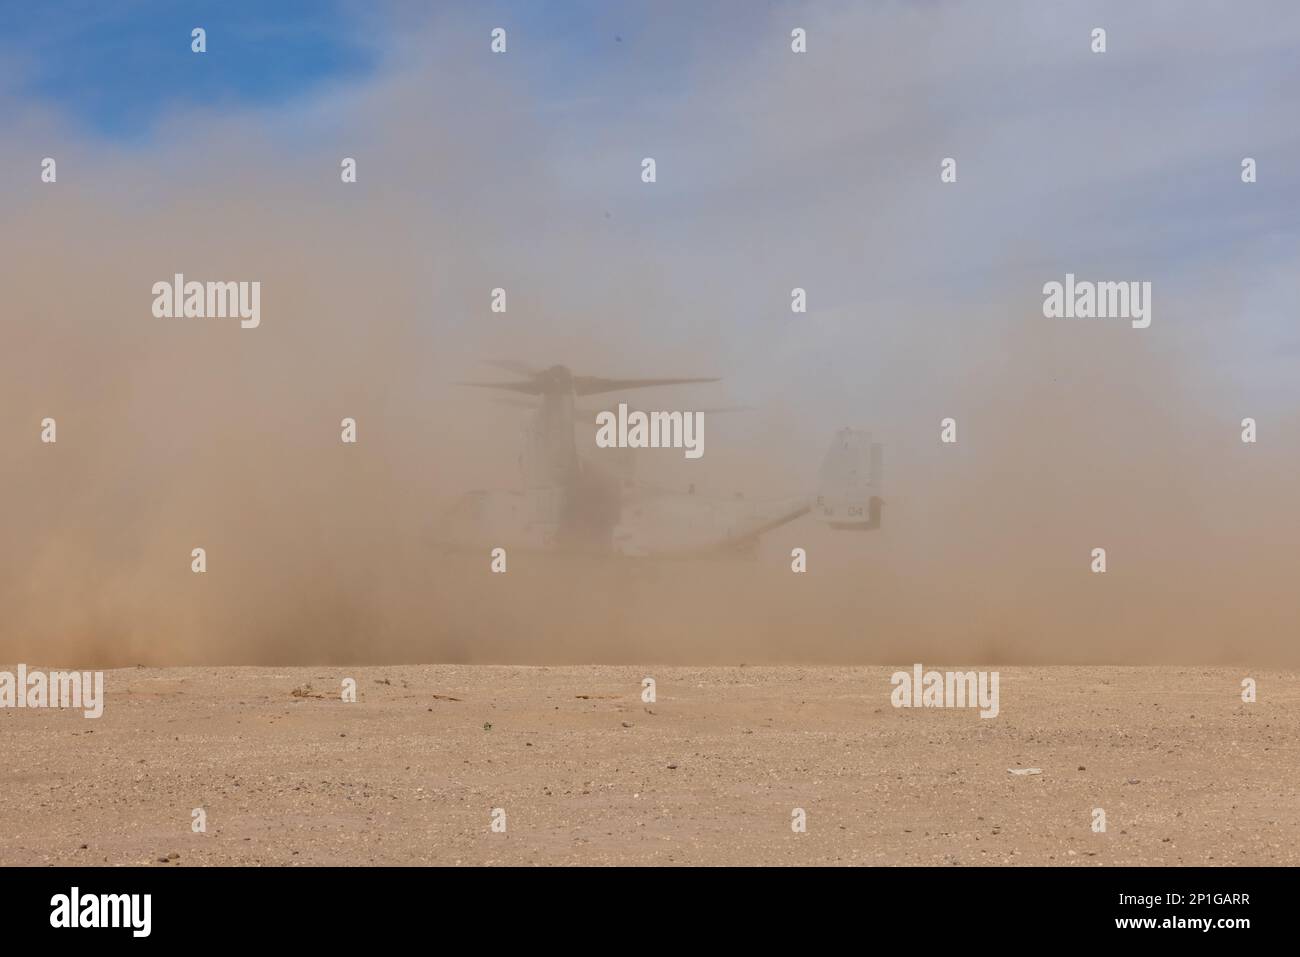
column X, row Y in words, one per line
column 585, row 415
column 591, row 413
column 528, row 388
column 512, row 365
column 559, row 380
column 595, row 385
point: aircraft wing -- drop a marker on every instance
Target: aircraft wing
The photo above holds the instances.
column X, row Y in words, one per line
column 750, row 536
column 743, row 536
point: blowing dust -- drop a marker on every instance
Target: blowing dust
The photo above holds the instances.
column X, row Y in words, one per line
column 174, row 434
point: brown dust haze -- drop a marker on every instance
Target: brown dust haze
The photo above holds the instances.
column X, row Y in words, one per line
column 175, row 434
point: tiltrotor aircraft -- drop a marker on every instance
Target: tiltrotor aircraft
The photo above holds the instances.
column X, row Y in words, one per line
column 589, row 500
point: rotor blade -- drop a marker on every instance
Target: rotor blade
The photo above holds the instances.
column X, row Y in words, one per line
column 594, row 385
column 516, row 403
column 528, row 388
column 512, row 365
column 585, row 414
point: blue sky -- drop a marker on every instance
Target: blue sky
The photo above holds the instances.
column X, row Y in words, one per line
column 116, row 67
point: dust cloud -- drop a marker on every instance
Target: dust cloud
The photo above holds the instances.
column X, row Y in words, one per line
column 175, row 434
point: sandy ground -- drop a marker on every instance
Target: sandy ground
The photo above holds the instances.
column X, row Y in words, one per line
column 708, row 774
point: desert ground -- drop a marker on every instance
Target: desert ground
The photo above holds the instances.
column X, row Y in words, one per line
column 709, row 773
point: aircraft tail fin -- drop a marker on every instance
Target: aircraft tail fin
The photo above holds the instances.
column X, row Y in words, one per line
column 849, row 484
